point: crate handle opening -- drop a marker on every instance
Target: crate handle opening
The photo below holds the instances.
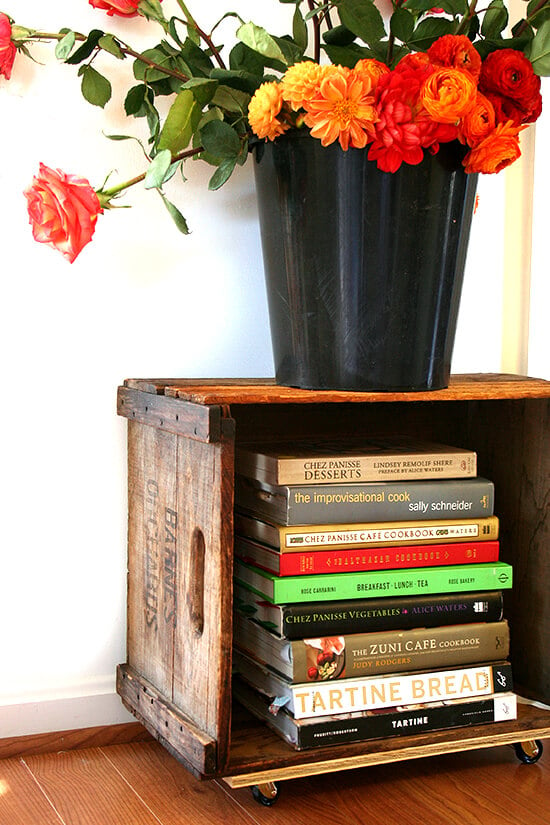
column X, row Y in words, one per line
column 196, row 591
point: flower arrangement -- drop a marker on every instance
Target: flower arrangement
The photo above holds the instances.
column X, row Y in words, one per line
column 395, row 87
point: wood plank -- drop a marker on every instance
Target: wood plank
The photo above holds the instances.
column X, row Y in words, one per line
column 170, row 791
column 152, row 534
column 84, row 790
column 72, row 739
column 486, row 787
column 461, row 387
column 259, row 755
column 21, row 800
column 191, row 420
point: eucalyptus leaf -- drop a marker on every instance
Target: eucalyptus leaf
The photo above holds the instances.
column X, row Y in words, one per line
column 96, row 89
column 157, row 172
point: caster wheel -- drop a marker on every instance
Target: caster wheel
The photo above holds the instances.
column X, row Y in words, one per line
column 529, row 752
column 266, row 794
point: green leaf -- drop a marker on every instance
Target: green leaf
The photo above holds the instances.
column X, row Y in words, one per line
column 231, row 100
column 109, row 44
column 142, row 70
column 87, row 47
column 198, row 62
column 454, row 7
column 257, row 38
column 158, row 170
column 175, row 214
column 363, row 19
column 347, row 55
column 96, row 89
column 539, row 50
column 220, row 140
column 299, row 29
column 222, row 174
column 495, row 19
column 402, row 25
column 243, row 58
column 65, row 46
column 134, row 99
column 241, row 80
column 428, row 31
column 339, row 36
column 180, row 123
column 202, row 88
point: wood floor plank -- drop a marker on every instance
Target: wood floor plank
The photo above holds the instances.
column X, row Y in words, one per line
column 488, row 787
column 169, row 790
column 85, row 790
column 21, row 800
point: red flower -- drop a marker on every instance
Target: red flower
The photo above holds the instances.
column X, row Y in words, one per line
column 122, row 8
column 404, row 128
column 507, row 79
column 63, row 210
column 496, row 151
column 7, row 48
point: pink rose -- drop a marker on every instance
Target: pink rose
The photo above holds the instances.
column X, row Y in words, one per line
column 123, row 8
column 63, row 210
column 7, row 48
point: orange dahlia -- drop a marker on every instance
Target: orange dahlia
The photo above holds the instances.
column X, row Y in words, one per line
column 342, row 109
column 497, row 150
column 371, row 69
column 448, row 94
column 263, row 109
column 300, row 83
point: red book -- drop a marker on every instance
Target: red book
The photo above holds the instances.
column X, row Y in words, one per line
column 364, row 558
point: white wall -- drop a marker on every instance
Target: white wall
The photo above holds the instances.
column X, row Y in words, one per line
column 141, row 300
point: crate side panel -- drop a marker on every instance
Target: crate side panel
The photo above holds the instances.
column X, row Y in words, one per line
column 202, row 655
column 152, row 553
column 513, row 441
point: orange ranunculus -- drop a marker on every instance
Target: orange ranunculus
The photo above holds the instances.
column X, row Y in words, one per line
column 301, row 81
column 7, row 47
column 448, row 94
column 497, row 150
column 63, row 210
column 371, row 69
column 457, row 52
column 263, row 109
column 122, row 8
column 343, row 109
column 478, row 122
column 508, row 80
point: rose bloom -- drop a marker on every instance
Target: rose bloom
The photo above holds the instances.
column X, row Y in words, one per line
column 63, row 210
column 372, row 69
column 455, row 51
column 7, row 48
column 301, row 82
column 448, row 94
column 343, row 109
column 263, row 109
column 497, row 150
column 478, row 122
column 122, row 8
column 508, row 80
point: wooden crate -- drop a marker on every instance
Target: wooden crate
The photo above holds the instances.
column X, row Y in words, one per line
column 181, row 438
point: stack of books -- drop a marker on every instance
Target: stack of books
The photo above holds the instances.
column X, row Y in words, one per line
column 368, row 591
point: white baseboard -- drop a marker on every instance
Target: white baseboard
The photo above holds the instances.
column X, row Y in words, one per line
column 81, row 706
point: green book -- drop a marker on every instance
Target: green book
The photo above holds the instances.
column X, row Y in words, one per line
column 459, row 578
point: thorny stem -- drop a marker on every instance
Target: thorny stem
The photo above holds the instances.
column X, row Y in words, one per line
column 316, row 33
column 524, row 23
column 106, row 194
column 202, row 34
column 391, row 38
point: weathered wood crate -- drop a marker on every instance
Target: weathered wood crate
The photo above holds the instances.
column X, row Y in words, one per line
column 181, row 439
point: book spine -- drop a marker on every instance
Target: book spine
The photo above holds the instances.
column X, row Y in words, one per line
column 391, row 501
column 352, row 695
column 388, row 534
column 382, row 724
column 366, row 654
column 387, row 558
column 414, row 581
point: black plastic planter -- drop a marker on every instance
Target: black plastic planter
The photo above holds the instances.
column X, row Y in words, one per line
column 363, row 268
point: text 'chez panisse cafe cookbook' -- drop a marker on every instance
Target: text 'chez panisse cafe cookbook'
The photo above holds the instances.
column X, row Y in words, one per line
column 368, row 591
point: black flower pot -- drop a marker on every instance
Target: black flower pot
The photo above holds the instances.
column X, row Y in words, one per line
column 363, row 268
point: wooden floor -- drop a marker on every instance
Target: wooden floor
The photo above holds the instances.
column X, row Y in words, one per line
column 141, row 784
